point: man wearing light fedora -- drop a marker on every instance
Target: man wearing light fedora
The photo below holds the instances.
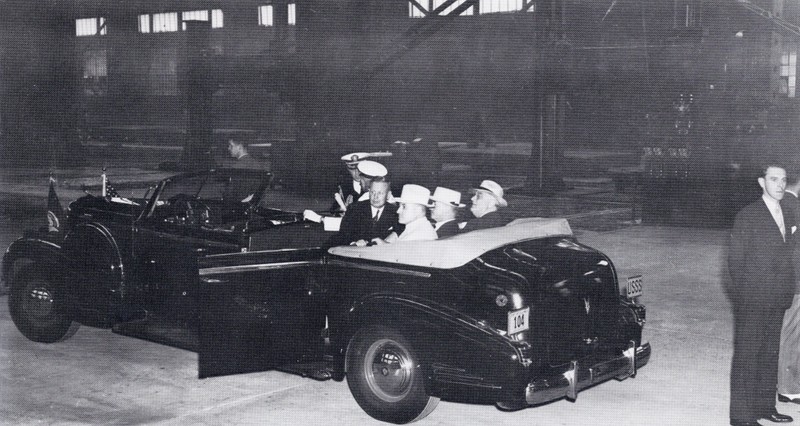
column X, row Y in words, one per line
column 446, row 204
column 413, row 206
column 486, row 202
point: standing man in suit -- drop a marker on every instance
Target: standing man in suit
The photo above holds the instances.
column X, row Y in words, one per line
column 789, row 358
column 762, row 275
column 368, row 219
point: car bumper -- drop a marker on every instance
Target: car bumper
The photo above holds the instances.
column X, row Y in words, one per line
column 574, row 377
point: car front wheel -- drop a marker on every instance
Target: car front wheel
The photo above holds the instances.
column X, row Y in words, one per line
column 385, row 377
column 37, row 307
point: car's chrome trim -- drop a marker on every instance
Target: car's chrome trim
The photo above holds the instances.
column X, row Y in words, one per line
column 574, row 377
column 256, row 267
column 254, row 253
column 386, row 269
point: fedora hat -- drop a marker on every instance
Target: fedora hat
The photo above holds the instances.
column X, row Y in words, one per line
column 415, row 194
column 494, row 189
column 354, row 158
column 448, row 196
column 371, row 169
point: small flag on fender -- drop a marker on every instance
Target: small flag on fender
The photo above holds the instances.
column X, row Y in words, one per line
column 55, row 214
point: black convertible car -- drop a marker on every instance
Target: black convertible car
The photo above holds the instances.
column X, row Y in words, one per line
column 514, row 316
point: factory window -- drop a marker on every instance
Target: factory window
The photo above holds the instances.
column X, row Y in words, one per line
column 202, row 15
column 420, row 8
column 95, row 72
column 164, row 72
column 89, row 26
column 429, row 5
column 165, row 22
column 144, row 23
column 292, row 12
column 788, row 72
column 265, row 16
column 684, row 14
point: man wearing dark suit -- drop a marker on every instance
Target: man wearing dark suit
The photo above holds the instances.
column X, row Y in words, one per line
column 368, row 219
column 789, row 358
column 446, row 205
column 486, row 203
column 762, row 275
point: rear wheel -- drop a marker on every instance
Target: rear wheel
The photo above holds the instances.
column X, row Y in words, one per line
column 37, row 306
column 385, row 377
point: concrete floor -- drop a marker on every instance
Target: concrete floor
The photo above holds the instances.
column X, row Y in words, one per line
column 98, row 377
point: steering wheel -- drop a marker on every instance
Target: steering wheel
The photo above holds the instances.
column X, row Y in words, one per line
column 189, row 209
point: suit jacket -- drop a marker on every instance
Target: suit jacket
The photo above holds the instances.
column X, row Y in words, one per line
column 357, row 224
column 759, row 261
column 448, row 229
column 791, row 207
column 489, row 220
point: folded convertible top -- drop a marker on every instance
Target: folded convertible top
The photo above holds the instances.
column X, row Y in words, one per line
column 456, row 251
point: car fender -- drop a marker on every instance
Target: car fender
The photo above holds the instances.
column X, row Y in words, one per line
column 452, row 347
column 28, row 250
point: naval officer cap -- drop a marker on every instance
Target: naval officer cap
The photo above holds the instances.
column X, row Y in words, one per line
column 372, row 169
column 354, row 158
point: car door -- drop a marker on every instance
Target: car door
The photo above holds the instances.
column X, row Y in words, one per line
column 260, row 310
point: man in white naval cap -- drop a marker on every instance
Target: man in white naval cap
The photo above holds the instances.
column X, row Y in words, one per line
column 350, row 188
column 413, row 207
column 486, row 202
column 446, row 205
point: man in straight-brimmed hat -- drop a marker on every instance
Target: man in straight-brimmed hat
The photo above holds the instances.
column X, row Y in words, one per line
column 412, row 213
column 486, row 202
column 446, row 205
column 350, row 188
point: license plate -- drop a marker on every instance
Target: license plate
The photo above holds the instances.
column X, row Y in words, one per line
column 519, row 320
column 634, row 286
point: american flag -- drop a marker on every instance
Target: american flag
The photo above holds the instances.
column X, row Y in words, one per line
column 55, row 214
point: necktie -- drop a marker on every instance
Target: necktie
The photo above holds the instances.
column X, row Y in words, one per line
column 377, row 216
column 779, row 221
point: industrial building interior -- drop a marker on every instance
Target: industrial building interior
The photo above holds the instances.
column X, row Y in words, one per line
column 689, row 92
column 658, row 113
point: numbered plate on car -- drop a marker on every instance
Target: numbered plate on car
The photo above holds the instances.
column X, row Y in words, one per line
column 519, row 320
column 634, row 286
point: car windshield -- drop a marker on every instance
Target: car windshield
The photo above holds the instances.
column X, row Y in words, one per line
column 233, row 186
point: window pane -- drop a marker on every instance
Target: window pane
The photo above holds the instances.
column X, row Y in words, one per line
column 292, row 18
column 144, row 23
column 165, row 22
column 216, row 18
column 103, row 26
column 86, row 27
column 265, row 16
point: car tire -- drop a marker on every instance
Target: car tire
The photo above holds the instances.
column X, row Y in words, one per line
column 37, row 306
column 385, row 377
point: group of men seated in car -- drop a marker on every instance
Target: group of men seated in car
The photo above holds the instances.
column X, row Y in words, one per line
column 372, row 216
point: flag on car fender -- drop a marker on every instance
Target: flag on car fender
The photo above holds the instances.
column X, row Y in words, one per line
column 55, row 214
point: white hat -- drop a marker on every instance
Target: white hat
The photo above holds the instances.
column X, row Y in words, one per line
column 493, row 188
column 414, row 194
column 448, row 196
column 372, row 169
column 354, row 158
